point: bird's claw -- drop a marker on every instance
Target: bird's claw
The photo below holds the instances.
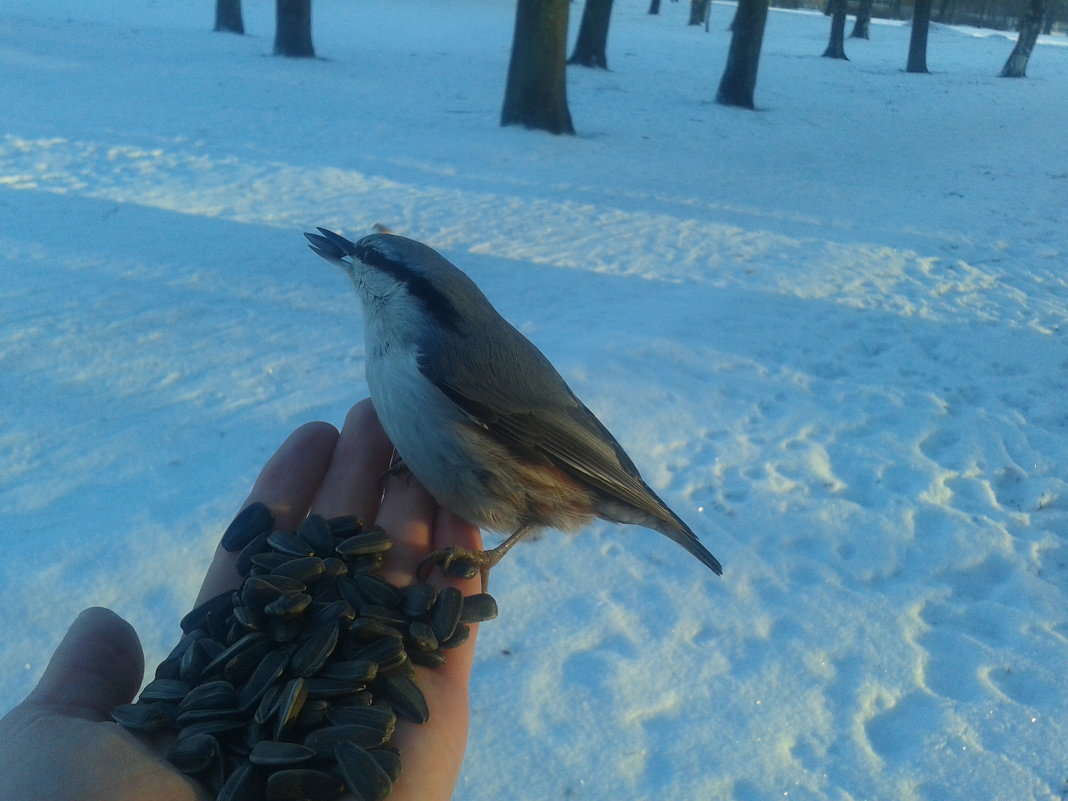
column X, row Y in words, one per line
column 457, row 562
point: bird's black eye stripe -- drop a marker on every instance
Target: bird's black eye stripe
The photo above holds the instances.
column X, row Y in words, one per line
column 434, row 302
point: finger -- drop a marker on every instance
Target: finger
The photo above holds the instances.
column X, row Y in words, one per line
column 418, row 527
column 98, row 665
column 361, row 456
column 287, row 484
column 433, row 752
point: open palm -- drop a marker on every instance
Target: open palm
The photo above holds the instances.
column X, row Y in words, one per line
column 60, row 744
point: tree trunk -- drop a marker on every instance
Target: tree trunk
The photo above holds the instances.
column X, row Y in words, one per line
column 1030, row 25
column 228, row 16
column 836, row 45
column 654, row 6
column 536, row 92
column 592, row 38
column 698, row 11
column 292, row 33
column 862, row 26
column 739, row 78
column 921, row 21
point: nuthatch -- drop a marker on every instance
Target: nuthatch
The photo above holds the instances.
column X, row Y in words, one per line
column 478, row 414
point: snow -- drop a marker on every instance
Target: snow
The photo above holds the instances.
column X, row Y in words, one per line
column 831, row 333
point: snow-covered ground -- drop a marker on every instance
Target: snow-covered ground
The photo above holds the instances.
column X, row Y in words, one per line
column 831, row 333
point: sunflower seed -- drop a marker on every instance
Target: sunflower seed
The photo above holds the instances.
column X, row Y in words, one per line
column 288, row 605
column 139, row 717
column 164, row 690
column 421, row 635
column 312, row 714
column 229, row 652
column 313, row 653
column 462, row 568
column 290, row 542
column 197, row 619
column 299, row 783
column 249, row 618
column 290, row 701
column 459, row 637
column 265, row 674
column 270, row 560
column 169, row 709
column 405, row 698
column 169, row 668
column 416, row 599
column 259, row 591
column 315, row 530
column 209, row 727
column 283, row 631
column 363, row 773
column 336, row 611
column 345, row 526
column 334, row 566
column 361, row 698
column 367, row 629
column 388, row 616
column 268, row 704
column 381, row 719
column 253, row 520
column 369, row 542
column 322, row 741
column 320, row 687
column 377, row 591
column 272, row 753
column 210, row 695
column 186, row 642
column 192, row 716
column 305, row 568
column 361, row 565
column 478, row 608
column 446, row 613
column 240, row 667
column 389, row 759
column 194, row 754
column 244, row 784
column 347, row 589
column 430, row 659
column 383, row 652
column 356, row 670
column 257, row 545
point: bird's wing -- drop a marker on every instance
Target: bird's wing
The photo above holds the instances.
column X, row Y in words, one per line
column 531, row 410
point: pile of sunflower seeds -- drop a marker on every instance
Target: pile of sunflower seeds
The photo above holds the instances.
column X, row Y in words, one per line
column 290, row 687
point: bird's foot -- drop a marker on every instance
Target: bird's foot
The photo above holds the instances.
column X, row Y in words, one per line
column 461, row 563
column 397, row 468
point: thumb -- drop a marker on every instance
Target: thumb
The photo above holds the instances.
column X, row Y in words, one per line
column 98, row 666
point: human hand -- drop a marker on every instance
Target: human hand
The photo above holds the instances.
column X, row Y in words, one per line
column 60, row 744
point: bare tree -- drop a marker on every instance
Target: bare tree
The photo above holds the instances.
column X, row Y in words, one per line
column 738, row 83
column 228, row 16
column 862, row 25
column 292, row 33
column 592, row 40
column 836, row 45
column 699, row 11
column 1030, row 25
column 536, row 92
column 921, row 21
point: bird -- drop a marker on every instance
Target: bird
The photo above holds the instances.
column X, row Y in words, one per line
column 478, row 414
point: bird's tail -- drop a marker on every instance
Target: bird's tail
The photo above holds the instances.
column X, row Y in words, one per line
column 665, row 521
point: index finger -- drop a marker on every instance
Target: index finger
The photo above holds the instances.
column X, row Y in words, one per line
column 287, row 484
